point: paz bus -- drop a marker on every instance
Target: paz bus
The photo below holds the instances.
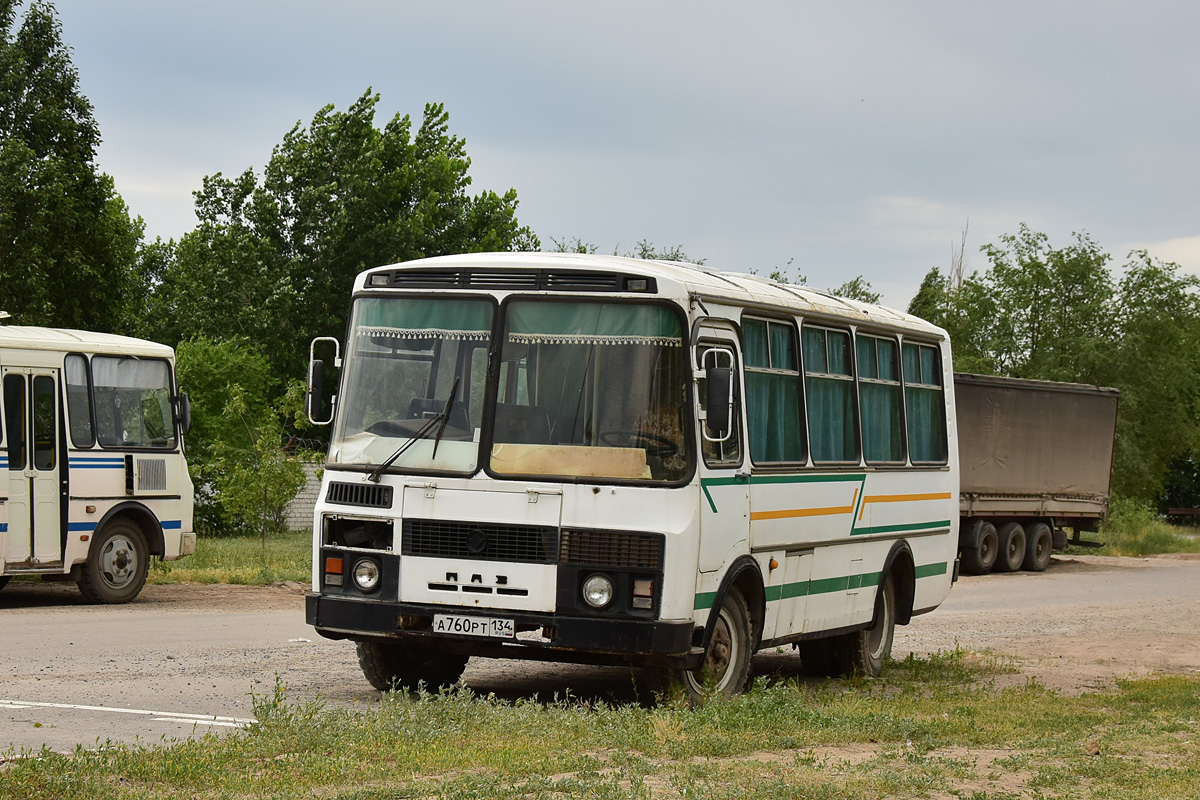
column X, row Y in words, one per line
column 569, row 457
column 91, row 447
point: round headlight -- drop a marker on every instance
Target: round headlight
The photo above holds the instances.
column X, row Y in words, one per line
column 366, row 574
column 597, row 591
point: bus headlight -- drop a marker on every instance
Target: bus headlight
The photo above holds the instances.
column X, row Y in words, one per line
column 597, row 591
column 366, row 575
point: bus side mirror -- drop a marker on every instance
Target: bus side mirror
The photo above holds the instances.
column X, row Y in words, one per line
column 314, row 404
column 719, row 401
column 314, row 393
column 185, row 412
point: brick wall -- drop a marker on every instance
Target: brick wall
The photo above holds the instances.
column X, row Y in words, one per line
column 300, row 510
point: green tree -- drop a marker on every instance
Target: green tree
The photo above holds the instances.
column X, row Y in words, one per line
column 1155, row 361
column 68, row 246
column 273, row 258
column 857, row 289
column 1053, row 307
column 213, row 373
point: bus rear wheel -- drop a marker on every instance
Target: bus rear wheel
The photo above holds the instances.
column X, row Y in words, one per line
column 392, row 666
column 4, row 580
column 863, row 652
column 117, row 563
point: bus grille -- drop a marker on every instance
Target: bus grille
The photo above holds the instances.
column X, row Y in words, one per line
column 479, row 541
column 359, row 494
column 612, row 549
column 151, row 474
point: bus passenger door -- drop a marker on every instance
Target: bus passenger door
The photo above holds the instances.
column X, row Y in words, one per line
column 31, row 414
column 724, row 469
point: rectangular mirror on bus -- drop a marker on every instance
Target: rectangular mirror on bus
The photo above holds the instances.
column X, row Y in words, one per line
column 315, row 398
column 719, row 394
column 314, row 404
column 185, row 412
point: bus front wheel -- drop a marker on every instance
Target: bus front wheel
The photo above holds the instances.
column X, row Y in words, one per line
column 116, row 565
column 726, row 665
column 392, row 666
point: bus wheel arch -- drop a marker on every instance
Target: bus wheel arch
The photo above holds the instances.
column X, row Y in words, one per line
column 901, row 566
column 142, row 517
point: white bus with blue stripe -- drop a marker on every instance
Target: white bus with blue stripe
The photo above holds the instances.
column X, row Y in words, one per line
column 93, row 481
column 572, row 457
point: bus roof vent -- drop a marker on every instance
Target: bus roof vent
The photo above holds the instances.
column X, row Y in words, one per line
column 372, row 495
column 516, row 280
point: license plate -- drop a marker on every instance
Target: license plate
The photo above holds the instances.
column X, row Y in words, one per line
column 474, row 626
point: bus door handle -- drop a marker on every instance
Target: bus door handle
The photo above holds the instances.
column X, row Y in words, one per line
column 534, row 493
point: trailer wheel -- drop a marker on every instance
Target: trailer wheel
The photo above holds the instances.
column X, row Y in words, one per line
column 116, row 565
column 1039, row 547
column 1012, row 547
column 980, row 559
column 392, row 666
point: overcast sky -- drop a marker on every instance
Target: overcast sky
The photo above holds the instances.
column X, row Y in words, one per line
column 848, row 138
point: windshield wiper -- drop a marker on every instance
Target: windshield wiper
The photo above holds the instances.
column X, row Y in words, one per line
column 445, row 417
column 440, row 419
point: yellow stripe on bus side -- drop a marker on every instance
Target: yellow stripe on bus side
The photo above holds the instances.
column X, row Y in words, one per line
column 801, row 512
column 905, row 498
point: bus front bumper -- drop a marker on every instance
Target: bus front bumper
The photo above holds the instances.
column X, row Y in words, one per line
column 578, row 639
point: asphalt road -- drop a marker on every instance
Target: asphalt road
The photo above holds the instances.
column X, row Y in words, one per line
column 182, row 661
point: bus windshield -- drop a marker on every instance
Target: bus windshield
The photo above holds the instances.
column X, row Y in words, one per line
column 591, row 390
column 402, row 358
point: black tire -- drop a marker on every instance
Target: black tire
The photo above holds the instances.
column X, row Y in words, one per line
column 979, row 560
column 392, row 666
column 818, row 658
column 4, row 580
column 1012, row 547
column 117, row 563
column 726, row 666
column 1038, row 547
column 863, row 652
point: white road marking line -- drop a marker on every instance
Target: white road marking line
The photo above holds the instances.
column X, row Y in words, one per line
column 158, row 716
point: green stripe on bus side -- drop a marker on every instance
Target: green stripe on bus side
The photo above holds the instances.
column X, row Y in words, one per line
column 905, row 528
column 705, row 600
column 764, row 479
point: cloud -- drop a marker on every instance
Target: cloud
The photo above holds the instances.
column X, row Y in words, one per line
column 1184, row 251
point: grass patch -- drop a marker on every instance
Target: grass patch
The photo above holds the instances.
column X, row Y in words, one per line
column 242, row 560
column 1133, row 529
column 933, row 727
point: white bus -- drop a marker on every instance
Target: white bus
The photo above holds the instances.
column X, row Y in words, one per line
column 603, row 460
column 91, row 449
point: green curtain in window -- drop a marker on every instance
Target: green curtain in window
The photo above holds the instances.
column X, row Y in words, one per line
column 773, row 408
column 831, row 426
column 423, row 318
column 926, row 425
column 880, row 405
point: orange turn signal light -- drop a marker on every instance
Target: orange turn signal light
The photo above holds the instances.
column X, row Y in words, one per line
column 334, row 565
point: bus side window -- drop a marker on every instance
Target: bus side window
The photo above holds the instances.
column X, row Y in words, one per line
column 829, row 390
column 727, row 453
column 925, row 402
column 14, row 420
column 79, row 401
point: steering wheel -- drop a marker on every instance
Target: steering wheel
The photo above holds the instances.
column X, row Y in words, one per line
column 654, row 445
